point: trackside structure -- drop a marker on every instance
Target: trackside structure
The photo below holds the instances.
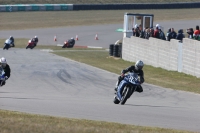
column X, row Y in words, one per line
column 182, row 57
column 170, row 55
column 132, row 20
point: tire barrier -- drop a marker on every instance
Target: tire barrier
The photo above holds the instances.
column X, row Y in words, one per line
column 36, row 7
column 111, row 48
column 116, row 51
column 120, row 50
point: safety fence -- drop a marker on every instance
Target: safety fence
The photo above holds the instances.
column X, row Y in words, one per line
column 67, row 7
column 36, row 7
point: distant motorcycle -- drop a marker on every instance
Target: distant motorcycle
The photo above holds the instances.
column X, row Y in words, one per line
column 8, row 44
column 69, row 43
column 131, row 81
column 2, row 77
column 31, row 44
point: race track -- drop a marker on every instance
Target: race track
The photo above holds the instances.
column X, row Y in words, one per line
column 86, row 34
column 43, row 83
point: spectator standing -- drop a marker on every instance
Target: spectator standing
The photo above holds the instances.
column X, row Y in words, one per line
column 173, row 34
column 151, row 33
column 180, row 35
column 168, row 35
column 147, row 33
column 161, row 34
column 196, row 33
column 156, row 32
column 133, row 29
column 141, row 31
column 136, row 31
column 190, row 32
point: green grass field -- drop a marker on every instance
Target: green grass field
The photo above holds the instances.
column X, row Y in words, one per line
column 15, row 122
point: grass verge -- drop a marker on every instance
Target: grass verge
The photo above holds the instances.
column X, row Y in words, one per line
column 15, row 122
column 31, row 20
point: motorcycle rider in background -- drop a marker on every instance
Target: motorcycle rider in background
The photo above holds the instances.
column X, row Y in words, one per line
column 12, row 40
column 6, row 68
column 35, row 40
column 69, row 43
column 137, row 68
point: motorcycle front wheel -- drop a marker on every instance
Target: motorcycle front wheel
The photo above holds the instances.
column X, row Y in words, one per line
column 125, row 95
column 116, row 101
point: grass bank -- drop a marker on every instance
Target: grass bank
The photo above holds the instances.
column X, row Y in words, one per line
column 31, row 20
column 15, row 122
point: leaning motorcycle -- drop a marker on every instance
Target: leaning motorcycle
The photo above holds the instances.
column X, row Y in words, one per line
column 130, row 83
column 68, row 43
column 7, row 44
column 31, row 44
column 2, row 77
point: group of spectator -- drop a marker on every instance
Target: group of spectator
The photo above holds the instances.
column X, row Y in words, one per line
column 148, row 32
column 171, row 34
column 193, row 34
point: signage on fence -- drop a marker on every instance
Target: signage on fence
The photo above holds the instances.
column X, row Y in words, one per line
column 9, row 8
column 21, row 8
column 49, row 7
column 64, row 7
column 35, row 8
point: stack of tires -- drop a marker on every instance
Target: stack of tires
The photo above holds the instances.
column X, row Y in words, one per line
column 120, row 50
column 111, row 47
column 115, row 50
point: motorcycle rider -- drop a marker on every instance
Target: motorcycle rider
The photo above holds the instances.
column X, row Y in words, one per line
column 137, row 68
column 6, row 68
column 12, row 40
column 35, row 40
column 71, row 41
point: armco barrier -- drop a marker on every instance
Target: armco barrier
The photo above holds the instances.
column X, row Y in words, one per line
column 36, row 7
column 66, row 7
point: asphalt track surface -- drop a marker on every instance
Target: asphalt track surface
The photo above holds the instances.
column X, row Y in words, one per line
column 44, row 83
